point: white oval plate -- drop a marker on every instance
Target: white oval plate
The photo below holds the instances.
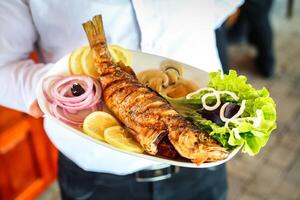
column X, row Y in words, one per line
column 141, row 61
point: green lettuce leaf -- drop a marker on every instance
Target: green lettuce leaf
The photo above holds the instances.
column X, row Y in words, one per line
column 256, row 123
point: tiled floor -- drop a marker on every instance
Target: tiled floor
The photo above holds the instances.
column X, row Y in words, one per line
column 275, row 172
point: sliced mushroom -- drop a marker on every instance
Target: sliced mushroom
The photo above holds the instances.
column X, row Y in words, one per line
column 173, row 69
column 180, row 89
column 155, row 79
column 146, row 75
column 156, row 84
column 173, row 75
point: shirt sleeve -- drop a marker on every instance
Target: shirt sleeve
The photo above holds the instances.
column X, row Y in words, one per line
column 19, row 75
column 224, row 8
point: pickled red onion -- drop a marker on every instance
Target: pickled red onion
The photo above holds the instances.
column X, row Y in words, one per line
column 47, row 83
column 72, row 109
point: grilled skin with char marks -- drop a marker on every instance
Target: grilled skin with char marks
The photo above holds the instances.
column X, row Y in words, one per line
column 147, row 116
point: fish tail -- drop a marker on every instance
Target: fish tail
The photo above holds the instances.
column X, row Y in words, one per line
column 96, row 36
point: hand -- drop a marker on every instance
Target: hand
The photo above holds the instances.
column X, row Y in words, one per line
column 35, row 110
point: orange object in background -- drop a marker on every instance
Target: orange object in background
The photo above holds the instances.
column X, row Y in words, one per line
column 34, row 56
column 28, row 160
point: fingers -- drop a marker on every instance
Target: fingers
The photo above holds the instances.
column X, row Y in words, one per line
column 35, row 110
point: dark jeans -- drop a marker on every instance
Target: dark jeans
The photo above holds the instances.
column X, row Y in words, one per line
column 75, row 183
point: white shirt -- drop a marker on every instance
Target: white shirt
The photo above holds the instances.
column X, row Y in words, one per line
column 182, row 30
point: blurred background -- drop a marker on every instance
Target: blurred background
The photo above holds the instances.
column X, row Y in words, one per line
column 267, row 53
column 275, row 172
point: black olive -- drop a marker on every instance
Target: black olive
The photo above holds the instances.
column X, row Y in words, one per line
column 212, row 115
column 77, row 90
column 231, row 109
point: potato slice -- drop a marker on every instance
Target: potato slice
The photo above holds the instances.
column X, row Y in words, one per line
column 96, row 122
column 119, row 137
column 75, row 66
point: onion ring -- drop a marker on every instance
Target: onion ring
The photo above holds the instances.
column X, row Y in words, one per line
column 67, row 107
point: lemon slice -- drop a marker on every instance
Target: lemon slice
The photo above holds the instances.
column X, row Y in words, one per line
column 119, row 54
column 96, row 122
column 87, row 63
column 119, row 137
column 81, row 60
column 75, row 61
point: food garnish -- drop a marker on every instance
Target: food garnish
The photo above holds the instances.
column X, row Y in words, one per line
column 77, row 89
column 75, row 66
column 173, row 69
column 154, row 78
column 232, row 111
column 120, row 54
column 81, row 60
column 119, row 137
column 87, row 63
column 181, row 88
column 168, row 80
column 72, row 98
column 96, row 122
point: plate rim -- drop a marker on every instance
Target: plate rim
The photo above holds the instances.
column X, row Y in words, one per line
column 42, row 101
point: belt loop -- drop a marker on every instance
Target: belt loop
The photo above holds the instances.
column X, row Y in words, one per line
column 176, row 169
column 157, row 174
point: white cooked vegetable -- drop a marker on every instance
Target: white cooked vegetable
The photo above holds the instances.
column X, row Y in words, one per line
column 189, row 96
column 211, row 108
column 257, row 120
column 236, row 133
column 232, row 94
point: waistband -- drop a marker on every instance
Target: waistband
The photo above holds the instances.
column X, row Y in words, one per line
column 147, row 175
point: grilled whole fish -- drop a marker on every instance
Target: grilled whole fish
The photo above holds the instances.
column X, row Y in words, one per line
column 147, row 116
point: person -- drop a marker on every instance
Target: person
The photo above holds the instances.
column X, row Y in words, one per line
column 182, row 30
column 253, row 23
column 222, row 45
